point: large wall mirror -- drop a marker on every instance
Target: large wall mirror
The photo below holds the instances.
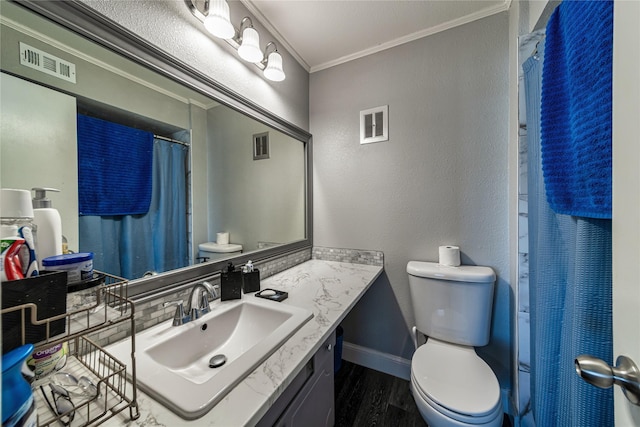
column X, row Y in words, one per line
column 240, row 170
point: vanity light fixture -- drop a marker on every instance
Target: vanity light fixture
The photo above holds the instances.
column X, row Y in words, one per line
column 249, row 49
column 216, row 19
column 273, row 64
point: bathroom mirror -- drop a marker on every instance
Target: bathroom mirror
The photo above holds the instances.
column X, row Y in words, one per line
column 262, row 201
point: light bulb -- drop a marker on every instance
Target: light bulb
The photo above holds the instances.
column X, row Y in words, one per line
column 218, row 20
column 274, row 71
column 249, row 50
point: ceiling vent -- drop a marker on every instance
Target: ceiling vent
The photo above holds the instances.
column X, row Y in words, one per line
column 47, row 63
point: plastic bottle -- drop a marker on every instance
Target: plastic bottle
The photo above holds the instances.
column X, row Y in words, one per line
column 17, row 258
column 15, row 211
column 18, row 405
column 49, row 223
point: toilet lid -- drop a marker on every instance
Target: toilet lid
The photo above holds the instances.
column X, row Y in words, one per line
column 455, row 378
column 219, row 248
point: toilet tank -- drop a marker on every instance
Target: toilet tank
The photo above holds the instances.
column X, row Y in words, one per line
column 452, row 304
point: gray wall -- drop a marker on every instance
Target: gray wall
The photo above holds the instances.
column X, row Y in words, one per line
column 254, row 200
column 170, row 25
column 440, row 179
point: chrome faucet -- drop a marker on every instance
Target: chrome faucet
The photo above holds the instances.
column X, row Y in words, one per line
column 197, row 304
column 179, row 317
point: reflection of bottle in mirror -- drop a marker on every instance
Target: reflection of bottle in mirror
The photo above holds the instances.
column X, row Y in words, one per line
column 49, row 223
column 17, row 225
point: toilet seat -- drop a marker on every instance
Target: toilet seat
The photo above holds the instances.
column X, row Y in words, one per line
column 456, row 382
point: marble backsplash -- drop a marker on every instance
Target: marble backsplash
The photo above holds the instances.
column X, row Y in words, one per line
column 355, row 256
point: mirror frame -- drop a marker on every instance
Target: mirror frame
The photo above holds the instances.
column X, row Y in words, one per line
column 90, row 24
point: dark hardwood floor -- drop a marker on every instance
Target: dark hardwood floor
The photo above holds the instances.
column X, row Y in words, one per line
column 365, row 397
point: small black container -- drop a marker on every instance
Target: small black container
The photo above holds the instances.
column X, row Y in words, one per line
column 48, row 291
column 251, row 281
column 230, row 284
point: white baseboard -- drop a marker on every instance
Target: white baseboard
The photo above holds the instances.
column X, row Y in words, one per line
column 374, row 359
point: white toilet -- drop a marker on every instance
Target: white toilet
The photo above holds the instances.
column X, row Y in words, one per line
column 451, row 384
column 213, row 251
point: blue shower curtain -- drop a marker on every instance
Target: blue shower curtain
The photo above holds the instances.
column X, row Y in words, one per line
column 570, row 292
column 130, row 245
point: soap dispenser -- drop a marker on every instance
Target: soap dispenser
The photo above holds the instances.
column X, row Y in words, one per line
column 49, row 223
column 250, row 278
column 230, row 283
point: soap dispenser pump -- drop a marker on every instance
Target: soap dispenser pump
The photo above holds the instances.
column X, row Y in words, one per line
column 49, row 223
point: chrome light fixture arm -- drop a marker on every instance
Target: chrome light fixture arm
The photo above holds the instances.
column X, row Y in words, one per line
column 273, row 47
column 197, row 12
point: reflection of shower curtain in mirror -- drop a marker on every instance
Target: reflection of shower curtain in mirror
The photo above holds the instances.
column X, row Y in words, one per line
column 130, row 245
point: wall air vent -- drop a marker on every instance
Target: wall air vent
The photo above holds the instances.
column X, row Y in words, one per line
column 374, row 125
column 261, row 146
column 47, row 63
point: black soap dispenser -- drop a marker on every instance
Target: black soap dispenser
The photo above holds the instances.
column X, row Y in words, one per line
column 250, row 278
column 230, row 283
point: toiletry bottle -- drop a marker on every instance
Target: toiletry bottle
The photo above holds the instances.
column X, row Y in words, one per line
column 49, row 223
column 18, row 404
column 230, row 283
column 15, row 212
column 18, row 234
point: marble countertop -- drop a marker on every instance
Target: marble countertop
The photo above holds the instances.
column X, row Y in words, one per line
column 328, row 288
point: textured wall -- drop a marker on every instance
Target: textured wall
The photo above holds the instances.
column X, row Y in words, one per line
column 263, row 199
column 440, row 179
column 169, row 25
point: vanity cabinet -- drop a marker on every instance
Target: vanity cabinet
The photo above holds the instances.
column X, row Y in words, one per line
column 309, row 399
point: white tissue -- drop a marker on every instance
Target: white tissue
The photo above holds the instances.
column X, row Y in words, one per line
column 222, row 238
column 449, row 255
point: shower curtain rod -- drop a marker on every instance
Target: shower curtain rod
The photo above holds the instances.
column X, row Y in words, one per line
column 175, row 141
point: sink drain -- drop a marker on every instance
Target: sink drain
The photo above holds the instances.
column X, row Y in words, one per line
column 217, row 361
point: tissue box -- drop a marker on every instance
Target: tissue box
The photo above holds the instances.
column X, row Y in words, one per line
column 48, row 292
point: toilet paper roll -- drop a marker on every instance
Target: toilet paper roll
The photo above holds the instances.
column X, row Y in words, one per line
column 449, row 255
column 222, row 238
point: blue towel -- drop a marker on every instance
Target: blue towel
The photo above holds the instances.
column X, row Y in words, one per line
column 576, row 108
column 114, row 168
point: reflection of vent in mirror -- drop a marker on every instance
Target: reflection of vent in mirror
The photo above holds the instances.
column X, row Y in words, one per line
column 374, row 124
column 47, row 63
column 261, row 146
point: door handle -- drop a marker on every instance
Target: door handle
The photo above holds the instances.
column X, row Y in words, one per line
column 598, row 373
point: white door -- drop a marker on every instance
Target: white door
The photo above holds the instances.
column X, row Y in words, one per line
column 38, row 145
column 626, row 196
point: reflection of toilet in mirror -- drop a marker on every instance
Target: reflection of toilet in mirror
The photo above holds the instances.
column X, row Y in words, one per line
column 210, row 251
column 451, row 384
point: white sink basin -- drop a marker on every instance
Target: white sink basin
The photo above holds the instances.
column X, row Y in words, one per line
column 173, row 361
